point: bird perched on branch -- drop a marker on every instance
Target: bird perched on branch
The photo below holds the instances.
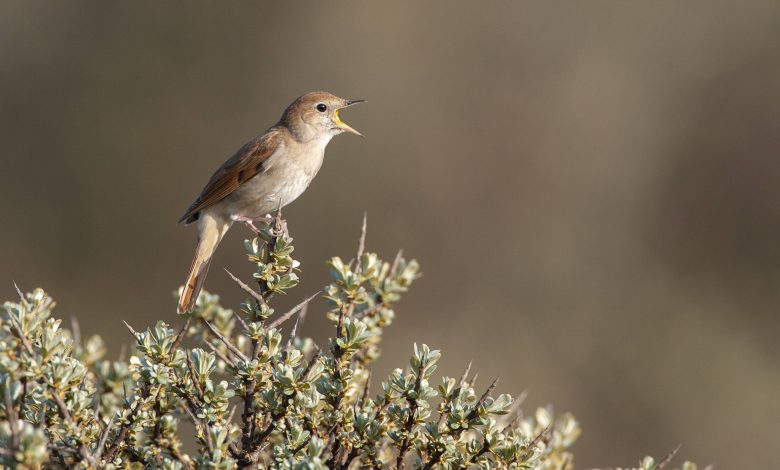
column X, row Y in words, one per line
column 267, row 173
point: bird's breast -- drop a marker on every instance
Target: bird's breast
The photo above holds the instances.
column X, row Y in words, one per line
column 286, row 177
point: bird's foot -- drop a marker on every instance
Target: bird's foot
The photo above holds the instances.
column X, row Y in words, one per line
column 249, row 221
column 279, row 228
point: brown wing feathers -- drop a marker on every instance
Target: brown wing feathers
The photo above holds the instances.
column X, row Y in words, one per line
column 247, row 162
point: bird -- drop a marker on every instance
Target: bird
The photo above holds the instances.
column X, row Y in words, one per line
column 265, row 174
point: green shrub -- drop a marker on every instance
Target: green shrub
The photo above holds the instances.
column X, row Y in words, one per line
column 258, row 395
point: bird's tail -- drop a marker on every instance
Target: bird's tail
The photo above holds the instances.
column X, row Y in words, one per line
column 210, row 234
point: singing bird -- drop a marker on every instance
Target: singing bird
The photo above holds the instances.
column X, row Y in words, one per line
column 268, row 172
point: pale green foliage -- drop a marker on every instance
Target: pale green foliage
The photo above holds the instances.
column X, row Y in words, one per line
column 258, row 394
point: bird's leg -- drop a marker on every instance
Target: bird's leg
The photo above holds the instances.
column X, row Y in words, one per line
column 249, row 221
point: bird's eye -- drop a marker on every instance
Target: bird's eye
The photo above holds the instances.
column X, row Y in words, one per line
column 322, row 108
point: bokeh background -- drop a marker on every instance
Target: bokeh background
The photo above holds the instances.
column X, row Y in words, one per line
column 592, row 188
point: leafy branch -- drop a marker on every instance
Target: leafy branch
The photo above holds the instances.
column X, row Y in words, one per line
column 257, row 392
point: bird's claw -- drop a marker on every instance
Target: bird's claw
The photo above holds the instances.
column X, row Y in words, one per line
column 279, row 228
column 276, row 226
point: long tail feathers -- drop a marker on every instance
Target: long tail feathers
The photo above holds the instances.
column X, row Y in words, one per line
column 194, row 283
column 210, row 235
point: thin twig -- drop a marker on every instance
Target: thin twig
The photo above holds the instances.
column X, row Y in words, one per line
column 532, row 445
column 455, row 392
column 195, row 380
column 484, row 449
column 240, row 320
column 361, row 244
column 104, row 438
column 22, row 336
column 132, row 331
column 515, row 409
column 200, row 423
column 182, row 332
column 406, row 442
column 302, row 315
column 292, row 333
column 396, row 263
column 663, row 463
column 292, row 311
column 465, row 374
column 302, row 445
column 487, row 393
column 226, row 341
column 255, row 295
column 220, row 355
column 21, row 296
column 473, row 380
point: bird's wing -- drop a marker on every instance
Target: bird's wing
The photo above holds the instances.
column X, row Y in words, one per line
column 247, row 162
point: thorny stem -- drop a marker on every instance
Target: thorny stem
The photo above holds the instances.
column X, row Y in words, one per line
column 532, row 445
column 251, row 456
column 338, row 353
column 663, row 463
column 446, row 403
column 188, row 408
column 182, row 332
column 220, row 355
column 104, row 438
column 249, row 414
column 190, row 405
column 483, row 450
column 405, row 443
column 293, row 311
column 122, row 432
column 435, row 458
column 232, row 348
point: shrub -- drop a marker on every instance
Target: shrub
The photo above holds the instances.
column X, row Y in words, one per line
column 257, row 393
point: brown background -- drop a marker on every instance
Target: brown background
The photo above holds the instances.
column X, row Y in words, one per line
column 592, row 188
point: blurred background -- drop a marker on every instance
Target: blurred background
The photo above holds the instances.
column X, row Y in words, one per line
column 591, row 188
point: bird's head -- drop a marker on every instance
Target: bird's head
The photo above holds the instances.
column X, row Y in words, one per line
column 317, row 114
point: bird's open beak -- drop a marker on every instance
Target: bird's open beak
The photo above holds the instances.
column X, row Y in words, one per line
column 343, row 125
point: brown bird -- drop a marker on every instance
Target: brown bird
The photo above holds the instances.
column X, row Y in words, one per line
column 268, row 172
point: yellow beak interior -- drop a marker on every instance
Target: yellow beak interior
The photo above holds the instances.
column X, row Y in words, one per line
column 339, row 122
